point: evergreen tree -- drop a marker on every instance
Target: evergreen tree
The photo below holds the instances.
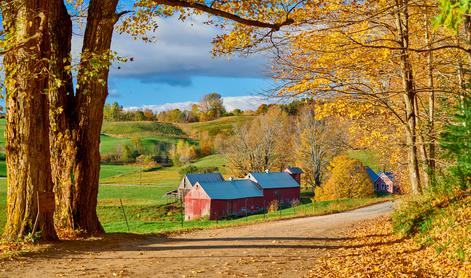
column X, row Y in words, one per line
column 457, row 141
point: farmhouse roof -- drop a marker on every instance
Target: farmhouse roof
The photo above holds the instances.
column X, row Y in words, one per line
column 373, row 176
column 206, row 177
column 294, row 170
column 274, row 180
column 228, row 190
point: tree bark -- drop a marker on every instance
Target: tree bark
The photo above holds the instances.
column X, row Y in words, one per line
column 91, row 94
column 30, row 201
column 61, row 116
column 402, row 24
column 77, row 118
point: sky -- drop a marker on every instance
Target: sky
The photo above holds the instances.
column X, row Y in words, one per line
column 178, row 69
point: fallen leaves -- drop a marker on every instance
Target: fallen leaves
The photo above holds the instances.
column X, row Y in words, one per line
column 372, row 250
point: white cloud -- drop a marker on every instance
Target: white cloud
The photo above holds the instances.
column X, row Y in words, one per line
column 231, row 103
column 163, row 107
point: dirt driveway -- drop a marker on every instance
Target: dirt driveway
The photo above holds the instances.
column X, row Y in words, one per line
column 274, row 249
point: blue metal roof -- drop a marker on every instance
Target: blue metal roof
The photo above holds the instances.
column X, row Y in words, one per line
column 295, row 170
column 275, row 180
column 373, row 176
column 206, row 177
column 227, row 190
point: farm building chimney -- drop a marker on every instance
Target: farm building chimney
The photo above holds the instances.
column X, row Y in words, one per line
column 295, row 172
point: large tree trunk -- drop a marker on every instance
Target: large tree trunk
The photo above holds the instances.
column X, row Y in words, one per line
column 90, row 100
column 77, row 119
column 62, row 117
column 402, row 24
column 30, row 198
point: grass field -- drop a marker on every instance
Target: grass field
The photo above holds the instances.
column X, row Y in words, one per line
column 221, row 125
column 161, row 218
column 144, row 129
column 167, row 177
column 143, row 192
column 368, row 158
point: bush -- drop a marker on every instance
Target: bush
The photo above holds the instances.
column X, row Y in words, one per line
column 273, row 206
column 193, row 169
column 348, row 179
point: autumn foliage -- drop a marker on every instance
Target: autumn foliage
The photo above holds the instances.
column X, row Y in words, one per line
column 348, row 179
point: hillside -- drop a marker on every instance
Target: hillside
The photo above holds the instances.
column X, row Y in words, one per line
column 221, row 125
column 142, row 128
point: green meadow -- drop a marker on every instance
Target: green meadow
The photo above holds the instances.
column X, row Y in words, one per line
column 221, row 125
column 142, row 190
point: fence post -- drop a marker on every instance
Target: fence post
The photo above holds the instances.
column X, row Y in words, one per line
column 246, row 211
column 265, row 210
column 124, row 213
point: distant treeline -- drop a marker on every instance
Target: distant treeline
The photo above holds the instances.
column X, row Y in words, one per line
column 210, row 107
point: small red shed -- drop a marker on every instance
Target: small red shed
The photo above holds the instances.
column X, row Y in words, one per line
column 217, row 200
column 295, row 172
column 279, row 186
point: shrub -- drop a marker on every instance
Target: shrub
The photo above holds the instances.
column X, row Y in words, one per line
column 188, row 169
column 348, row 179
column 193, row 169
column 273, row 206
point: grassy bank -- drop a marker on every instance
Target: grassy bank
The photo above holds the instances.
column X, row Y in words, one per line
column 148, row 211
column 161, row 218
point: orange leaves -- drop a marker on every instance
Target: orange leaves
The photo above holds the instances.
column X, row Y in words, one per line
column 371, row 250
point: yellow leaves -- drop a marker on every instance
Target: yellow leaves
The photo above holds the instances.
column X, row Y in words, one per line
column 371, row 250
column 348, row 179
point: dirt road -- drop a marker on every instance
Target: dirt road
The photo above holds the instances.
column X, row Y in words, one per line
column 274, row 249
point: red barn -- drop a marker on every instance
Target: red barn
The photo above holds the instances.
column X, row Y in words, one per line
column 217, row 200
column 279, row 186
column 189, row 180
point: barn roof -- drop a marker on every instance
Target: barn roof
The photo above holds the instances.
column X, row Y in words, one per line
column 206, row 177
column 228, row 190
column 373, row 176
column 294, row 170
column 275, row 180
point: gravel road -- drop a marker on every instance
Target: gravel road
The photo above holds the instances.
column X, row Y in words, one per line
column 274, row 249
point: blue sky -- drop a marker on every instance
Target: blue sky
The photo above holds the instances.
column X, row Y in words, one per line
column 178, row 68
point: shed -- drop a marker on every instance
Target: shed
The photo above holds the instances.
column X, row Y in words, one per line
column 386, row 182
column 189, row 180
column 383, row 181
column 279, row 186
column 295, row 172
column 217, row 200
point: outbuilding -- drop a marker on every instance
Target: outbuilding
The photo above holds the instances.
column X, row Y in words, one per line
column 217, row 200
column 295, row 172
column 279, row 186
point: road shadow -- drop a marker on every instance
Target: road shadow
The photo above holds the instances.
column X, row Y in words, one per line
column 143, row 243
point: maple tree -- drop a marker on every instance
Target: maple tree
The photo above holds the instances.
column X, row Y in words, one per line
column 64, row 152
column 348, row 179
column 381, row 56
column 263, row 144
